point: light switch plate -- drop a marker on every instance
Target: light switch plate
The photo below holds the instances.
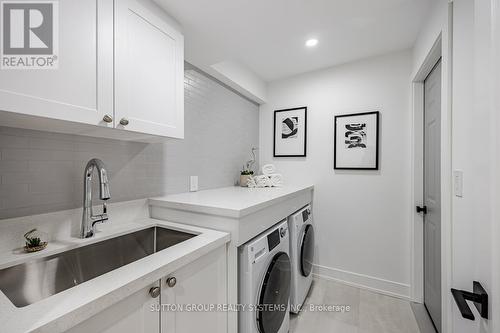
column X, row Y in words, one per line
column 193, row 183
column 458, row 183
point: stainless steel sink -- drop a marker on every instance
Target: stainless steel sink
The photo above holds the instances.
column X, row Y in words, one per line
column 30, row 282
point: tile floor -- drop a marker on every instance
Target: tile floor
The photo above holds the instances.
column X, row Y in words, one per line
column 369, row 312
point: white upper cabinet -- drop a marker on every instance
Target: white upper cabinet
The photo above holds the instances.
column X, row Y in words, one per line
column 149, row 70
column 120, row 65
column 81, row 88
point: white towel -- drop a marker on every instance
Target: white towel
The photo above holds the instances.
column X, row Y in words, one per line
column 268, row 169
column 251, row 182
column 276, row 179
column 262, row 181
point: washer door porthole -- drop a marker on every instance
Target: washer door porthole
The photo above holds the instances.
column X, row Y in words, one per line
column 274, row 295
column 307, row 251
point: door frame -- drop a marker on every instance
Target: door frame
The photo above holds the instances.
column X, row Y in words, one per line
column 441, row 49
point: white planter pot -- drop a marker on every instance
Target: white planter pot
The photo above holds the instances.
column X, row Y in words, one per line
column 244, row 179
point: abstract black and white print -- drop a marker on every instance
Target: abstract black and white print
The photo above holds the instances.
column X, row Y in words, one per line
column 356, row 141
column 290, row 128
column 355, row 135
column 290, row 132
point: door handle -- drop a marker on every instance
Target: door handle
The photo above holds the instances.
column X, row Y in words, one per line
column 422, row 209
column 478, row 296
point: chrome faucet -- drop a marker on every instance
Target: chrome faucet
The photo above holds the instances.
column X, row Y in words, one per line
column 89, row 220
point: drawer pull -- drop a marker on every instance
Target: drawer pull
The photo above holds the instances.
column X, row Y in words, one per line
column 171, row 282
column 124, row 121
column 154, row 292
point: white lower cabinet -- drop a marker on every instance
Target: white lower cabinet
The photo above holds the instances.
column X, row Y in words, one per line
column 134, row 314
column 178, row 308
column 194, row 289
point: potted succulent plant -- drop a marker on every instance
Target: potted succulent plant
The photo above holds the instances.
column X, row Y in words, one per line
column 34, row 241
column 244, row 176
column 247, row 171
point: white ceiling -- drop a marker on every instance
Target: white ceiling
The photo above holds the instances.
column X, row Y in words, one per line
column 268, row 36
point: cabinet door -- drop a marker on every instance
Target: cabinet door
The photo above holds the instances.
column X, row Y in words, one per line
column 80, row 89
column 149, row 70
column 135, row 314
column 202, row 282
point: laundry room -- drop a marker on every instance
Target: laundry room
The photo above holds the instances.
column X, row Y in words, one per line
column 181, row 166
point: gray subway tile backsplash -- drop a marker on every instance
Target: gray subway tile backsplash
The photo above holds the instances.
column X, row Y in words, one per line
column 42, row 172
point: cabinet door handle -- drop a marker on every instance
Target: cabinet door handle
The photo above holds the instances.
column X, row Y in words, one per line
column 154, row 292
column 124, row 121
column 107, row 119
column 171, row 282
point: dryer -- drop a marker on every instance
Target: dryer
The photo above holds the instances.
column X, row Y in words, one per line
column 264, row 282
column 301, row 255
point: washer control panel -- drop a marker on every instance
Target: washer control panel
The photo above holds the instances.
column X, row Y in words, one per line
column 267, row 242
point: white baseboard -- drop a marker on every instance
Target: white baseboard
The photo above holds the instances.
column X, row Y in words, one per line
column 386, row 287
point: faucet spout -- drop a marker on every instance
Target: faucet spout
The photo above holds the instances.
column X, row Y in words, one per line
column 89, row 220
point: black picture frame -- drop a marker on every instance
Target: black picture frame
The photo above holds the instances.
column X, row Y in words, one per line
column 377, row 135
column 276, row 112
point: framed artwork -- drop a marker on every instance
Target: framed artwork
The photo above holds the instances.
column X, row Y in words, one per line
column 290, row 132
column 356, row 141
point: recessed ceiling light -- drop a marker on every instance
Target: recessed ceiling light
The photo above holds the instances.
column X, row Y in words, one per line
column 311, row 42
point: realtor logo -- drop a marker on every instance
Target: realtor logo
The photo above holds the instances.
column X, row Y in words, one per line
column 29, row 34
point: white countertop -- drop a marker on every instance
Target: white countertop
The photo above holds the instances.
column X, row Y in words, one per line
column 72, row 306
column 233, row 201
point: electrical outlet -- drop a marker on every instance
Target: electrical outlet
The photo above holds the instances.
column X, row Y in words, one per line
column 193, row 183
column 458, row 183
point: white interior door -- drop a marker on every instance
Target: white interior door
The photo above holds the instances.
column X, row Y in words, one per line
column 475, row 227
column 432, row 195
column 496, row 215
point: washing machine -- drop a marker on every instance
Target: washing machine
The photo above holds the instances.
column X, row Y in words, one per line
column 301, row 230
column 264, row 282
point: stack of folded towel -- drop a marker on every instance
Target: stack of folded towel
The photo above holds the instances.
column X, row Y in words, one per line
column 268, row 169
column 276, row 180
column 251, row 182
column 269, row 178
column 262, row 181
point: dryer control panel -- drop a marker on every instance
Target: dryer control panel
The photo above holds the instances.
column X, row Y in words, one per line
column 306, row 213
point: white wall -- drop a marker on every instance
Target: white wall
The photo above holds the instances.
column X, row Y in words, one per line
column 435, row 25
column 43, row 172
column 362, row 218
